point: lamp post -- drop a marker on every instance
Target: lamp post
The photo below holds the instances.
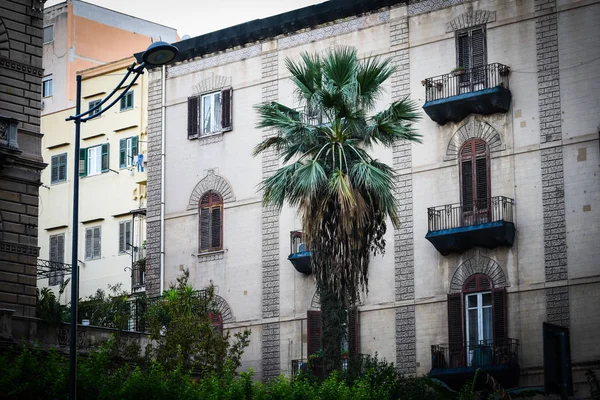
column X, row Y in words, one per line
column 157, row 54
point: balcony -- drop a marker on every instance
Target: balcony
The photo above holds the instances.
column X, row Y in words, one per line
column 481, row 90
column 355, row 365
column 299, row 254
column 455, row 364
column 455, row 228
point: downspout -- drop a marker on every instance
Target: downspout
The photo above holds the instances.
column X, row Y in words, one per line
column 162, row 180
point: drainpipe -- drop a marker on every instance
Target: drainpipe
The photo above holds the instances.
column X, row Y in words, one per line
column 162, row 180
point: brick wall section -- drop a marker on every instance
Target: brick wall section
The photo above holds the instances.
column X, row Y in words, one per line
column 153, row 169
column 270, row 236
column 20, row 94
column 553, row 196
column 403, row 236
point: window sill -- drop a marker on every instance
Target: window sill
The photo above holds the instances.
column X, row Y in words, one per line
column 210, row 255
column 126, row 109
column 209, row 138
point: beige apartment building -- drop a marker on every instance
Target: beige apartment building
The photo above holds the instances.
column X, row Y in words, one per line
column 80, row 35
column 112, row 191
column 499, row 204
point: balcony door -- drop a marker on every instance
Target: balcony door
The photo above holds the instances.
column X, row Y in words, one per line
column 475, row 182
column 478, row 320
column 471, row 55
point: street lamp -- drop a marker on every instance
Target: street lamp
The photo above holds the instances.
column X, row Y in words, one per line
column 157, row 54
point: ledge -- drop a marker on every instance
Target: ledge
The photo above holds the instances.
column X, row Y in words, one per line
column 89, row 221
column 94, row 136
column 210, row 255
column 53, row 228
column 56, row 146
column 87, row 96
column 126, row 128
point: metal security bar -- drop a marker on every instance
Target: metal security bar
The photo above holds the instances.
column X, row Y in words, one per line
column 475, row 354
column 458, row 215
column 47, row 269
column 462, row 81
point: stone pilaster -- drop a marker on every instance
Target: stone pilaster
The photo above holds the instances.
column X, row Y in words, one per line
column 270, row 235
column 553, row 196
column 403, row 236
column 153, row 169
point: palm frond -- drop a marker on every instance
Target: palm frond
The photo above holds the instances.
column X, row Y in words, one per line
column 393, row 124
column 306, row 74
column 276, row 187
column 339, row 67
column 370, row 76
column 276, row 142
column 309, row 181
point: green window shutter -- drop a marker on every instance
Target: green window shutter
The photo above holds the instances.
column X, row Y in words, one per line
column 134, row 146
column 53, row 257
column 123, row 153
column 83, row 162
column 128, row 234
column 54, row 169
column 105, row 158
column 97, row 242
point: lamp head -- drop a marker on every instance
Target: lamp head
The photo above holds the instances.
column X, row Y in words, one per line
column 159, row 53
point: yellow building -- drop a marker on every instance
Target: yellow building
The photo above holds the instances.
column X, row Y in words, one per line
column 112, row 200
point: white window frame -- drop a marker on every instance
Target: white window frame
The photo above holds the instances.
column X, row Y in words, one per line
column 44, row 34
column 96, row 151
column 214, row 125
column 127, row 97
column 129, row 152
column 123, row 248
column 47, row 86
column 93, row 104
column 480, row 329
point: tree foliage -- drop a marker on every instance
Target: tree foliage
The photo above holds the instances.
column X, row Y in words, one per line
column 180, row 327
column 343, row 194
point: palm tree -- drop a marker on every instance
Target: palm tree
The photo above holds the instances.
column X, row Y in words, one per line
column 343, row 195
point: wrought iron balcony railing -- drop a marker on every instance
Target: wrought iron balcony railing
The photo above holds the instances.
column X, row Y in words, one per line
column 477, row 212
column 354, row 364
column 138, row 277
column 53, row 270
column 466, row 81
column 475, row 354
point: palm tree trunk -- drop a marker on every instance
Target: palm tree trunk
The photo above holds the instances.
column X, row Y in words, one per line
column 332, row 320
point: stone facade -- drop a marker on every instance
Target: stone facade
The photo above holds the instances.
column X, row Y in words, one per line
column 406, row 309
column 20, row 152
column 270, row 236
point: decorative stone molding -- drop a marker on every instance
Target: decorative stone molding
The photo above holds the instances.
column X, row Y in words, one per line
column 211, row 256
column 19, row 249
column 477, row 264
column 214, row 60
column 420, row 7
column 220, row 306
column 315, row 303
column 17, row 66
column 473, row 129
column 469, row 19
column 214, row 182
column 334, row 29
column 212, row 84
column 406, row 345
column 557, row 306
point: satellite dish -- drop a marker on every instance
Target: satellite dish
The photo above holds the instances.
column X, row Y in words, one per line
column 185, row 37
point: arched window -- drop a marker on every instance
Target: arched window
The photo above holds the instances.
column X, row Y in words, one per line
column 476, row 321
column 211, row 221
column 475, row 181
column 216, row 321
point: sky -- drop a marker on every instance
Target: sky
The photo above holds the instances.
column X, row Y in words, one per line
column 195, row 17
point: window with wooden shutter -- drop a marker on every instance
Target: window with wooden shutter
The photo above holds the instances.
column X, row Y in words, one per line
column 475, row 182
column 313, row 332
column 471, row 55
column 124, row 236
column 455, row 330
column 226, row 109
column 105, row 158
column 353, row 332
column 216, row 321
column 58, row 168
column 83, row 162
column 499, row 310
column 57, row 255
column 92, row 243
column 193, row 120
column 128, row 150
column 211, row 221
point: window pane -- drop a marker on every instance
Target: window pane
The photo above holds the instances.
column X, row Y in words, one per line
column 472, row 301
column 217, row 113
column 487, row 324
column 94, row 160
column 48, row 33
column 206, row 114
column 472, row 327
column 487, row 299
